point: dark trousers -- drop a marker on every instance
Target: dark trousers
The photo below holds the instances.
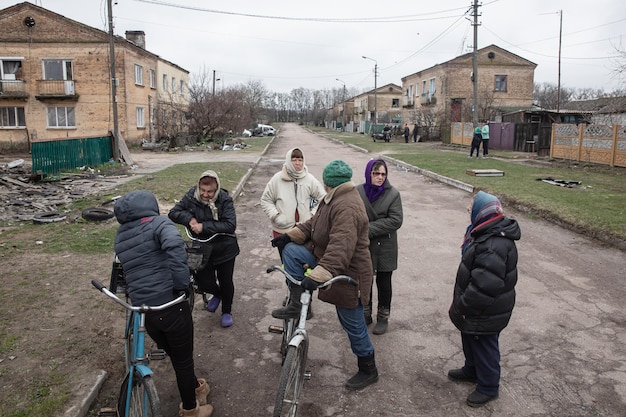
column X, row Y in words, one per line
column 383, row 285
column 482, row 360
column 485, row 147
column 475, row 146
column 218, row 280
column 172, row 331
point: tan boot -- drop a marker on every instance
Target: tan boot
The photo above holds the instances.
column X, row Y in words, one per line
column 199, row 411
column 202, row 392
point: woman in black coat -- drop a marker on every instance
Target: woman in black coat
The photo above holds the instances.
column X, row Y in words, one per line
column 207, row 209
column 384, row 211
column 484, row 295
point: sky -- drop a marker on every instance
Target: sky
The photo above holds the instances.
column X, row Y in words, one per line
column 288, row 44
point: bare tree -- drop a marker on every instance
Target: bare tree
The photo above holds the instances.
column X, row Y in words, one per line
column 546, row 95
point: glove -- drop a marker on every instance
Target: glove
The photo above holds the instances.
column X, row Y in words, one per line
column 180, row 291
column 309, row 284
column 280, row 242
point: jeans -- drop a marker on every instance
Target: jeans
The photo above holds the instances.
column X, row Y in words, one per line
column 351, row 319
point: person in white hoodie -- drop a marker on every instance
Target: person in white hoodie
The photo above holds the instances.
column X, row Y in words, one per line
column 292, row 195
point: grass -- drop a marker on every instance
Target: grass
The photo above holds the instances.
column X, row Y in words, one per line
column 597, row 206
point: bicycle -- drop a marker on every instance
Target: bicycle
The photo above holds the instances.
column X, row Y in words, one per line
column 294, row 348
column 199, row 251
column 138, row 396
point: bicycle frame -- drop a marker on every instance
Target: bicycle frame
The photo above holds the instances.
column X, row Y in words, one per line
column 138, row 395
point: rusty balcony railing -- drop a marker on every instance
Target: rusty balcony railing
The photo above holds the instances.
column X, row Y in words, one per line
column 12, row 88
column 56, row 89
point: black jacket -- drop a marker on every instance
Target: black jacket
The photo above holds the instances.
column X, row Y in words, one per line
column 224, row 248
column 484, row 292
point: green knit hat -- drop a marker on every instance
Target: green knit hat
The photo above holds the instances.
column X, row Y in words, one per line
column 336, row 173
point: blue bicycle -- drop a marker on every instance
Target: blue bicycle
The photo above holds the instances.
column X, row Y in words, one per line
column 138, row 395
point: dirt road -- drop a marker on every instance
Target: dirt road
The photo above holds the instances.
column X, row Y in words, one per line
column 562, row 353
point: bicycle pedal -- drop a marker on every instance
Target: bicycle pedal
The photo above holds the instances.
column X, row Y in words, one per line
column 157, row 355
column 275, row 329
column 307, row 375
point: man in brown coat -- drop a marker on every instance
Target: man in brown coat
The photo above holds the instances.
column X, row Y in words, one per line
column 333, row 242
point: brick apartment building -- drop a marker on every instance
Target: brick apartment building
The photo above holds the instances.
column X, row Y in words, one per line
column 55, row 82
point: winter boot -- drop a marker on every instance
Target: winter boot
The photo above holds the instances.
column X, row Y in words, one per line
column 199, row 411
column 202, row 391
column 367, row 313
column 382, row 320
column 292, row 309
column 368, row 374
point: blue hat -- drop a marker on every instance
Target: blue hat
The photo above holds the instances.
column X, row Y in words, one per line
column 477, row 130
column 336, row 173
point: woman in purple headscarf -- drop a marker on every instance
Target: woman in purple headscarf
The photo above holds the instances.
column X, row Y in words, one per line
column 384, row 210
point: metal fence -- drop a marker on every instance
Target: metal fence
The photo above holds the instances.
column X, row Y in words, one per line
column 54, row 156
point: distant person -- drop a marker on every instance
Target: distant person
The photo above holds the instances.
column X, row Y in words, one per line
column 383, row 206
column 333, row 242
column 485, row 138
column 415, row 132
column 207, row 209
column 387, row 133
column 484, row 295
column 477, row 138
column 292, row 195
column 154, row 259
column 407, row 133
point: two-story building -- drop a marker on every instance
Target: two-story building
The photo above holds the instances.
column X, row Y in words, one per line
column 443, row 93
column 384, row 102
column 55, row 82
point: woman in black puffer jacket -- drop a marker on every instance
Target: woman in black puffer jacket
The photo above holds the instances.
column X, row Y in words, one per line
column 484, row 294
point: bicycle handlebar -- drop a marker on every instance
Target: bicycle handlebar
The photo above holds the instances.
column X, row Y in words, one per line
column 210, row 238
column 143, row 308
column 280, row 269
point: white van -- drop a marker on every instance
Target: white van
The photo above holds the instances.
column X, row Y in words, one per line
column 267, row 130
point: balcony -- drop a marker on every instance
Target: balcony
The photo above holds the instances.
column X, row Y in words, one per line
column 427, row 99
column 56, row 89
column 13, row 89
column 408, row 101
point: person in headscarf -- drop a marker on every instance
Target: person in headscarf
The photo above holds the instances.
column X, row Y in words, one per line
column 207, row 209
column 154, row 259
column 334, row 242
column 484, row 295
column 383, row 205
column 292, row 195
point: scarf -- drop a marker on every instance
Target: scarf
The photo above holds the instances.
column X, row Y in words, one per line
column 289, row 169
column 372, row 191
column 486, row 208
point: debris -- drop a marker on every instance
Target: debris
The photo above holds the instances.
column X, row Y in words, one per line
column 15, row 164
column 485, row 172
column 560, row 183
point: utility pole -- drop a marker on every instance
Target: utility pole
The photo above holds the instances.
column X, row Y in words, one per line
column 116, row 144
column 375, row 88
column 558, row 88
column 343, row 102
column 475, row 66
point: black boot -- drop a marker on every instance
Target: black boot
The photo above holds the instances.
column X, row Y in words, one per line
column 368, row 374
column 382, row 320
column 367, row 313
column 292, row 309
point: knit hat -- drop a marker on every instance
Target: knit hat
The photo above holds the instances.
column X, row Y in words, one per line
column 336, row 173
column 477, row 130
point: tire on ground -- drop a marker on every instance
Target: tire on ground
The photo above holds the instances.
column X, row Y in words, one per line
column 48, row 217
column 97, row 214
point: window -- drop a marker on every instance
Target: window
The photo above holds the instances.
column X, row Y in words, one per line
column 500, row 83
column 395, row 102
column 173, row 85
column 57, row 69
column 182, row 87
column 138, row 74
column 12, row 117
column 431, row 86
column 10, row 69
column 152, row 79
column 164, row 82
column 424, row 88
column 61, row 117
column 140, row 119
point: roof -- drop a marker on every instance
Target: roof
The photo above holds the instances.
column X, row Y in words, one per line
column 602, row 105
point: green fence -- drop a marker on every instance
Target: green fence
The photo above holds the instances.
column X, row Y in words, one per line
column 54, row 156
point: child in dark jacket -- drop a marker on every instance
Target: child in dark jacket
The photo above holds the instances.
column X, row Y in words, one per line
column 476, row 140
column 484, row 295
column 153, row 256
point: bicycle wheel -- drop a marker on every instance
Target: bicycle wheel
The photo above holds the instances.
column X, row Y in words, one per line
column 144, row 399
column 289, row 326
column 291, row 380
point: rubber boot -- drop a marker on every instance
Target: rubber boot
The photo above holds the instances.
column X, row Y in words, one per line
column 382, row 320
column 200, row 411
column 367, row 313
column 368, row 374
column 292, row 309
column 202, row 392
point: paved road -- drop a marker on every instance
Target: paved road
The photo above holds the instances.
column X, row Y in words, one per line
column 563, row 353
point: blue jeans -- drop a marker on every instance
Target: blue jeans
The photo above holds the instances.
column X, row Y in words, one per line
column 351, row 319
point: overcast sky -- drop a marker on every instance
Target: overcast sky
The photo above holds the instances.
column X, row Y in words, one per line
column 288, row 44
